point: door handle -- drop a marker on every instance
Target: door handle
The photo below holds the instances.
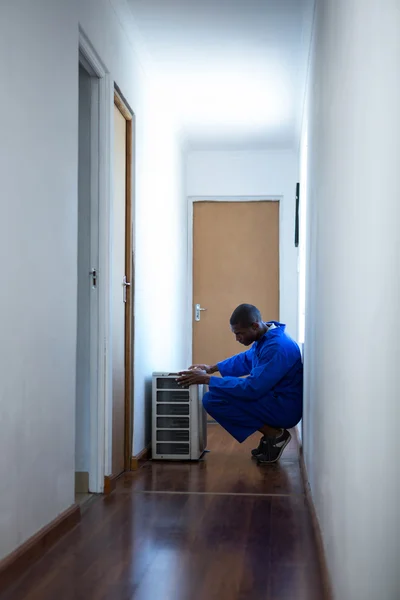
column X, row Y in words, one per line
column 197, row 312
column 93, row 273
column 125, row 285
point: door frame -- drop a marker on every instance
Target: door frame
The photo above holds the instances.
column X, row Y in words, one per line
column 100, row 396
column 122, row 105
column 191, row 201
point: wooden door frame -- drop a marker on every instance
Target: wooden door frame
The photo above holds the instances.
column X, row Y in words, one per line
column 125, row 110
column 191, row 201
column 100, row 342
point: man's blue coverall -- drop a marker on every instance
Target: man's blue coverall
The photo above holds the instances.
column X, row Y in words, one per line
column 272, row 394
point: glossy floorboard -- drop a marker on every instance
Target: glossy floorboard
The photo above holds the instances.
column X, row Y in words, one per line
column 226, row 468
column 221, row 529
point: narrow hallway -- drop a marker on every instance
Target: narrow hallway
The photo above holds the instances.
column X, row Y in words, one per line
column 221, row 529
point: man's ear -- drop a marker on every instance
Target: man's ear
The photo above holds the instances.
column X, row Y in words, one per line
column 255, row 326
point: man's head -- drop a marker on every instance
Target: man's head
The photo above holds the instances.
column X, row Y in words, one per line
column 247, row 324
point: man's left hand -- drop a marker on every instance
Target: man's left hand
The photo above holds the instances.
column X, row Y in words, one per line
column 193, row 377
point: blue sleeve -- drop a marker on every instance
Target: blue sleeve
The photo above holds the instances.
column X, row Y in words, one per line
column 238, row 365
column 273, row 364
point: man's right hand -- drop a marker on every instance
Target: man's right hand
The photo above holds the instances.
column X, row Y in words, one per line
column 207, row 368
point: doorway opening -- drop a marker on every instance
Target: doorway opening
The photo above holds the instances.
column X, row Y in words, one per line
column 93, row 380
column 88, row 273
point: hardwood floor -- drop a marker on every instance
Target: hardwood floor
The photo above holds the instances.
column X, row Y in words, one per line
column 226, row 469
column 222, row 529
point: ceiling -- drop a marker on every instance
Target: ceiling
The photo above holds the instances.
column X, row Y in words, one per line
column 234, row 70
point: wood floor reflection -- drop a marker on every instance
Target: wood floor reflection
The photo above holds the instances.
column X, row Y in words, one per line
column 222, row 529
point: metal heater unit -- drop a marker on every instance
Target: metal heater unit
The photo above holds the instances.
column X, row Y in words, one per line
column 179, row 420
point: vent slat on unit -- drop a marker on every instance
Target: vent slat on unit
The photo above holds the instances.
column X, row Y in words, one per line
column 173, row 409
column 173, row 422
column 168, row 383
column 175, row 435
column 180, row 396
column 181, row 449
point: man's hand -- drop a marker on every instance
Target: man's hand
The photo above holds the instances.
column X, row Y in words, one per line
column 193, row 376
column 207, row 368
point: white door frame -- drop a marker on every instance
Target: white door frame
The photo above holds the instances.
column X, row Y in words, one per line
column 100, row 394
column 191, row 201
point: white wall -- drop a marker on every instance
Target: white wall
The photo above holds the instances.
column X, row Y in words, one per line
column 161, row 266
column 256, row 173
column 352, row 348
column 38, row 246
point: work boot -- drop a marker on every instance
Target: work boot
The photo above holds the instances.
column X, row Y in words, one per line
column 272, row 448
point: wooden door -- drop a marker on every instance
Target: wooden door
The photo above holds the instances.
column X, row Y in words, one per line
column 235, row 261
column 121, row 296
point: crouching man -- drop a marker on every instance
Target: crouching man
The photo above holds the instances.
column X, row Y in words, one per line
column 269, row 399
